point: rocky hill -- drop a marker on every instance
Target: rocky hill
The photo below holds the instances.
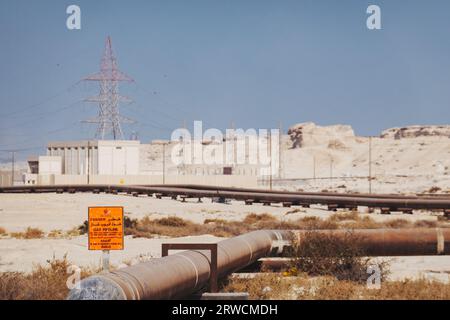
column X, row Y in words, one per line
column 417, row 131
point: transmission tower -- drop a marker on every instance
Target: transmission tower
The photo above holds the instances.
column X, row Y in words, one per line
column 109, row 120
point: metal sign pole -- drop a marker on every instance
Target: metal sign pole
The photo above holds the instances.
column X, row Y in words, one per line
column 105, row 260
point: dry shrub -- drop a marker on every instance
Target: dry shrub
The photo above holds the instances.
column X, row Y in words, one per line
column 273, row 286
column 434, row 189
column 397, row 223
column 329, row 254
column 421, row 289
column 171, row 222
column 170, row 226
column 262, row 286
column 353, row 220
column 361, row 223
column 2, row 231
column 344, row 216
column 178, row 227
column 74, row 232
column 315, row 223
column 55, row 234
column 214, row 221
column 30, row 233
column 253, row 218
column 425, row 224
column 33, row 233
column 264, row 221
column 43, row 283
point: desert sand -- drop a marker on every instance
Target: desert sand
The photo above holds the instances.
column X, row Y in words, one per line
column 66, row 211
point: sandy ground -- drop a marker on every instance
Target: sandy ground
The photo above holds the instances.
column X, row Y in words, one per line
column 22, row 255
column 66, row 211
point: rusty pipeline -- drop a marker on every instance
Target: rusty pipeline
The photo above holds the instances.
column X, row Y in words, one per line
column 388, row 202
column 395, row 242
column 187, row 272
column 183, row 273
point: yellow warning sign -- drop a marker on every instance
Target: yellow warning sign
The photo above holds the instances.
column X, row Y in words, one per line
column 106, row 228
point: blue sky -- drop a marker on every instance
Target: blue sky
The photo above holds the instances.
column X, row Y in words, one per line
column 251, row 62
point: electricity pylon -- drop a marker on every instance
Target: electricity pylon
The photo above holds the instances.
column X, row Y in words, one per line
column 109, row 119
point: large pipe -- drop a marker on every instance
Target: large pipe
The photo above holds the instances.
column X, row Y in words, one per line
column 305, row 193
column 394, row 242
column 216, row 189
column 187, row 272
column 180, row 274
column 266, row 196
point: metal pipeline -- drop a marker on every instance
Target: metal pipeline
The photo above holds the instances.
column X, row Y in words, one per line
column 183, row 273
column 379, row 201
column 187, row 272
column 304, row 193
column 396, row 242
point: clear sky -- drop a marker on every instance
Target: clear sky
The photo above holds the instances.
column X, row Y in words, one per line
column 251, row 62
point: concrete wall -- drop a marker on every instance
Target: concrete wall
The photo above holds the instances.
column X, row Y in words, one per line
column 105, row 156
column 47, row 179
column 118, row 157
column 217, row 180
column 5, row 179
column 69, row 179
column 50, row 165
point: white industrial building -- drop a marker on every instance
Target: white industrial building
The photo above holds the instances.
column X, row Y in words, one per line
column 125, row 162
column 104, row 157
column 74, row 161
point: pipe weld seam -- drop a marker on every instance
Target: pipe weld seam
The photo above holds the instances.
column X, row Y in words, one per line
column 440, row 241
column 195, row 267
column 250, row 248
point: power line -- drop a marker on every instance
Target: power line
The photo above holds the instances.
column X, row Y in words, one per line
column 177, row 108
column 65, row 128
column 35, row 105
column 20, row 150
column 153, row 123
column 41, row 116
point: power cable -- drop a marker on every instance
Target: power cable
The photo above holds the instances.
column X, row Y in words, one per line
column 35, row 105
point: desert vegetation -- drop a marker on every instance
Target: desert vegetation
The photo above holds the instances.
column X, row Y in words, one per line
column 322, row 254
column 276, row 286
column 29, row 233
column 322, row 267
column 328, row 267
column 44, row 282
column 173, row 226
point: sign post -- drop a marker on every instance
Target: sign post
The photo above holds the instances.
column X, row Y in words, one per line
column 105, row 260
column 106, row 231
